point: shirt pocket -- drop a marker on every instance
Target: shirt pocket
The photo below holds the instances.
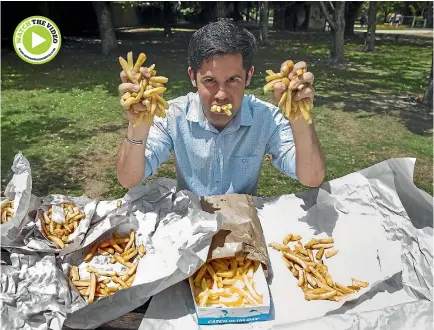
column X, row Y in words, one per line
column 244, row 172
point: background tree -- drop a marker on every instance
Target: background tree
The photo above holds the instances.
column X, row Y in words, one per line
column 105, row 25
column 352, row 12
column 335, row 16
column 372, row 23
column 263, row 22
column 427, row 99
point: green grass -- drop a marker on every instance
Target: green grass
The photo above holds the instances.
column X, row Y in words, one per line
column 66, row 119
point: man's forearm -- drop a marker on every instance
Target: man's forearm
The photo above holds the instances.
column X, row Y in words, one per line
column 310, row 164
column 130, row 166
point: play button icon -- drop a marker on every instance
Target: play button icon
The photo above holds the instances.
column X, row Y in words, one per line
column 37, row 40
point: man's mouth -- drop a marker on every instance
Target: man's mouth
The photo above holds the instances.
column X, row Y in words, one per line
column 222, row 109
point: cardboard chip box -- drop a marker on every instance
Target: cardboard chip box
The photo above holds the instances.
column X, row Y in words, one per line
column 241, row 235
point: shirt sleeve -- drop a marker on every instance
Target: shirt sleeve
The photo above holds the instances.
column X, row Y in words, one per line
column 158, row 146
column 281, row 144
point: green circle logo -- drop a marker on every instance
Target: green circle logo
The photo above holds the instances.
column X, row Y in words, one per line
column 37, row 40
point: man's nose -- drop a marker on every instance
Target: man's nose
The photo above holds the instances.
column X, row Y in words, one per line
column 221, row 94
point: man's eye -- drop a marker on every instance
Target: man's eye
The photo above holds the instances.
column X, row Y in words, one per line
column 209, row 80
column 231, row 80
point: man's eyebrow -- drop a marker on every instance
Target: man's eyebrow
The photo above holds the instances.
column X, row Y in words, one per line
column 235, row 76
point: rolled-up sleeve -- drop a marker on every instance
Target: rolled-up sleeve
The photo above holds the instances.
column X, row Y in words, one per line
column 158, row 146
column 281, row 144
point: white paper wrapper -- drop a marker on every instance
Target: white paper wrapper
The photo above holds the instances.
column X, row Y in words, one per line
column 36, row 240
column 382, row 226
column 34, row 293
column 19, row 189
column 177, row 238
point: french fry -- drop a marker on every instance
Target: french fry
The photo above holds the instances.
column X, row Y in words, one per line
column 296, row 238
column 130, row 281
column 74, row 272
column 319, row 246
column 287, row 239
column 82, row 283
column 131, row 240
column 92, row 288
column 320, row 254
column 57, row 241
column 131, row 255
column 279, row 247
column 91, row 252
column 331, row 253
column 122, row 261
column 102, row 272
column 359, row 283
column 310, row 253
column 119, row 281
column 321, row 296
column 294, row 258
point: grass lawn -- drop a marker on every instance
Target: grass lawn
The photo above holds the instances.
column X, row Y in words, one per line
column 66, row 119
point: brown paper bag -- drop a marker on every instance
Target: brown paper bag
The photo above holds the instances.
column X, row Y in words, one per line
column 241, row 232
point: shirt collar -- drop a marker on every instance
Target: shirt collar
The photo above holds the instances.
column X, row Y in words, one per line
column 242, row 118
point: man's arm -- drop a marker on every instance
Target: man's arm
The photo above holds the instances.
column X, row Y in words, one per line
column 310, row 163
column 130, row 167
column 309, row 159
column 296, row 150
column 136, row 161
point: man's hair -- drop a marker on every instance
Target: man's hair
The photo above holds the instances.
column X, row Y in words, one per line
column 219, row 38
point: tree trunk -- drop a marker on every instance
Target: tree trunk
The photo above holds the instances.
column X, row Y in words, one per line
column 427, row 99
column 105, row 24
column 372, row 23
column 257, row 12
column 351, row 11
column 429, row 19
column 279, row 16
column 167, row 18
column 263, row 22
column 248, row 11
column 336, row 20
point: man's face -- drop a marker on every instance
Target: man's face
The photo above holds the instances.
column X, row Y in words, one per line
column 221, row 80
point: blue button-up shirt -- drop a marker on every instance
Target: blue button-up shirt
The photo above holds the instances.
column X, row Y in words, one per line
column 212, row 162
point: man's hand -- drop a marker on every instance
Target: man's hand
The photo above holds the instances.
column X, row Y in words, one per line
column 306, row 79
column 140, row 132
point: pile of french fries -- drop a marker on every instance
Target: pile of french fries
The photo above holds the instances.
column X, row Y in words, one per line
column 58, row 232
column 151, row 89
column 104, row 283
column 7, row 211
column 291, row 109
column 309, row 268
column 226, row 108
column 227, row 282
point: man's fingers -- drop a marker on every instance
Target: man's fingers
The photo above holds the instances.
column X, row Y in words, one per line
column 128, row 87
column 124, row 77
column 299, row 65
column 306, row 92
column 145, row 72
column 305, row 78
column 279, row 89
column 138, row 107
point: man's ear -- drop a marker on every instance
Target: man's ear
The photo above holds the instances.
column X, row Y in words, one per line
column 191, row 75
column 249, row 75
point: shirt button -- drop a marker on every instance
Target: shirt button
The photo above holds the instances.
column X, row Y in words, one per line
column 218, row 159
column 244, row 160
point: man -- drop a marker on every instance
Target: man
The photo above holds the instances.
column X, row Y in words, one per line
column 215, row 153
